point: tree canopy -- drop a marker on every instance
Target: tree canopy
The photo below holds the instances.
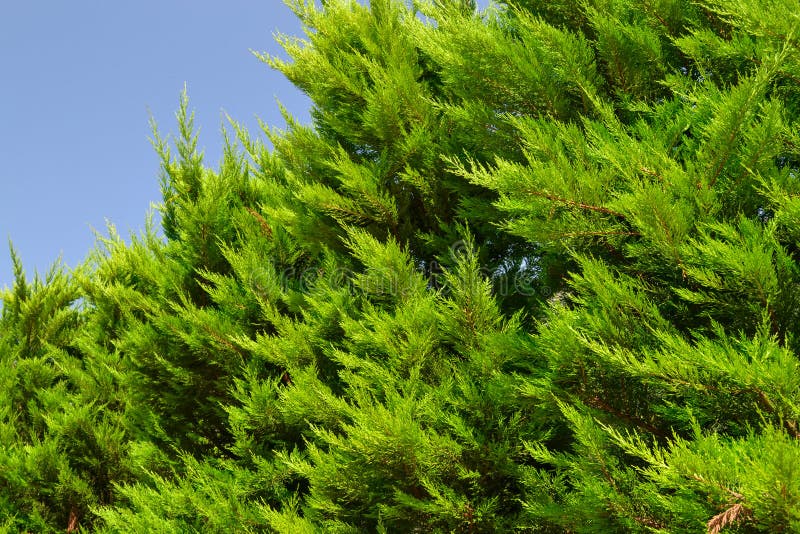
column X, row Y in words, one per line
column 530, row 268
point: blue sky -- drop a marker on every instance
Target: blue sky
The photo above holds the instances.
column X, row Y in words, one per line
column 78, row 83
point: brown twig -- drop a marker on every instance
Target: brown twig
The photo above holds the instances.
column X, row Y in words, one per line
column 600, row 404
column 286, row 380
column 726, row 517
column 265, row 227
column 72, row 524
column 735, row 494
column 596, row 234
column 576, row 204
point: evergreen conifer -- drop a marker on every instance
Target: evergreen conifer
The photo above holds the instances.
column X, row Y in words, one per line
column 531, row 268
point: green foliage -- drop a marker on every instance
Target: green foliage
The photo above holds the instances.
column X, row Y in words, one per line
column 531, row 268
column 60, row 418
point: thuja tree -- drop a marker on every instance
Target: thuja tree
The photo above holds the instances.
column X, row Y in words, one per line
column 668, row 366
column 530, row 268
column 62, row 434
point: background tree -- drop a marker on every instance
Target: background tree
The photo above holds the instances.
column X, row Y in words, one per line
column 61, row 421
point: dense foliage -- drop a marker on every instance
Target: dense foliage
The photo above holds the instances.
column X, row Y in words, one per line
column 532, row 268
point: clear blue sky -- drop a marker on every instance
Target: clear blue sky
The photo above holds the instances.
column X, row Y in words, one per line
column 78, row 82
